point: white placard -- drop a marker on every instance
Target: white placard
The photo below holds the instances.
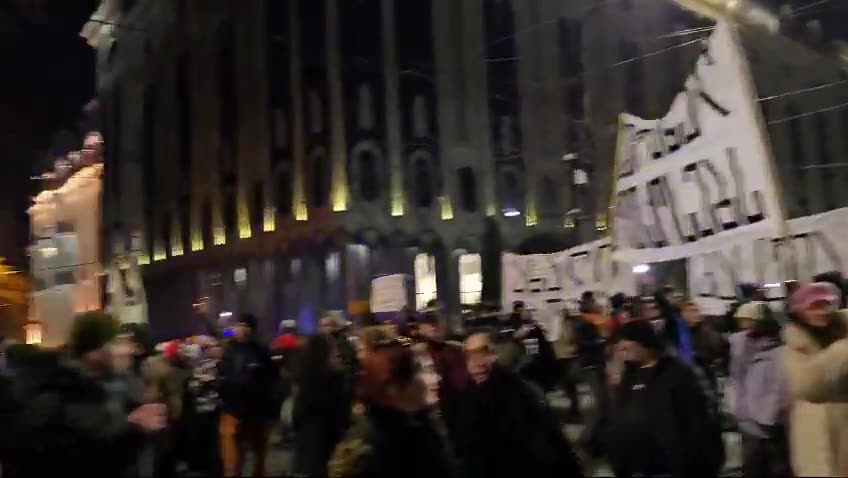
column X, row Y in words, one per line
column 696, row 180
column 548, row 282
column 389, row 293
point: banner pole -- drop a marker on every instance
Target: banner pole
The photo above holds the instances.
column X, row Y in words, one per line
column 787, row 253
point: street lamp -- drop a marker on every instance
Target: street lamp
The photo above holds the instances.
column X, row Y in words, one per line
column 641, row 269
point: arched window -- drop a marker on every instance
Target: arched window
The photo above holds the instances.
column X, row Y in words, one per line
column 366, row 108
column 185, row 222
column 257, row 206
column 425, row 279
column 470, row 279
column 423, row 183
column 369, row 184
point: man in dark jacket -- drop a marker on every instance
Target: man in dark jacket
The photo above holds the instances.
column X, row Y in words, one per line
column 68, row 422
column 246, row 387
column 591, row 353
column 660, row 425
column 511, row 429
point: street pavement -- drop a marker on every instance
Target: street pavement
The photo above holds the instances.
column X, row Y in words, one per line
column 280, row 459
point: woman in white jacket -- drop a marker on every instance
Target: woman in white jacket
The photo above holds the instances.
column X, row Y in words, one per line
column 816, row 361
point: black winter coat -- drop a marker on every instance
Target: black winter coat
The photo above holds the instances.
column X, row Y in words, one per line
column 512, row 431
column 673, row 408
column 67, row 424
column 387, row 443
column 248, row 382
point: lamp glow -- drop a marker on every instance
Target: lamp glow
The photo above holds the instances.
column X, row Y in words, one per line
column 641, row 268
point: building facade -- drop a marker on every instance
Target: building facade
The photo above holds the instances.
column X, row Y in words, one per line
column 274, row 156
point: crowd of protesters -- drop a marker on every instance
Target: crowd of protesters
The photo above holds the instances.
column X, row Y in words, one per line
column 402, row 398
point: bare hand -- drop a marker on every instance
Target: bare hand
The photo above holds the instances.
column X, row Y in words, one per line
column 150, row 417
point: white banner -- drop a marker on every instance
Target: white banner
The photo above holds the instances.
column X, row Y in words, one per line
column 548, row 282
column 389, row 293
column 696, row 180
column 818, row 245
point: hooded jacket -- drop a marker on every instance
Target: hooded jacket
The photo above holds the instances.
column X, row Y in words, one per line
column 818, row 387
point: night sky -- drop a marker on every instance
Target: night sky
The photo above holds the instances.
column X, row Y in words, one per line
column 47, row 77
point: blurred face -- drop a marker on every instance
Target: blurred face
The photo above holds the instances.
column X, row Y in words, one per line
column 391, row 328
column 99, row 361
column 633, row 352
column 479, row 357
column 214, row 352
column 430, row 331
column 325, row 326
column 122, row 353
column 692, row 315
column 241, row 332
column 650, row 311
column 818, row 314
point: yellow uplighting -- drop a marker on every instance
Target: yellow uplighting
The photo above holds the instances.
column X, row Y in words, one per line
column 177, row 250
column 340, row 197
column 176, row 239
column 143, row 259
column 397, row 194
column 196, row 242
column 269, row 220
column 397, row 204
column 601, row 222
column 447, row 209
column 220, row 236
column 530, row 215
column 569, row 222
column 301, row 213
column 33, row 333
column 159, row 254
column 244, row 219
column 491, row 209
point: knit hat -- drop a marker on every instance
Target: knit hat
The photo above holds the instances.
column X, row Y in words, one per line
column 642, row 333
column 249, row 320
column 90, row 331
column 809, row 294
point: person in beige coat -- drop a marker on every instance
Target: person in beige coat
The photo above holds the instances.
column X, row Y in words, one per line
column 816, row 361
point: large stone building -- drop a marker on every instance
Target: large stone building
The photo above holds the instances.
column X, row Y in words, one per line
column 275, row 155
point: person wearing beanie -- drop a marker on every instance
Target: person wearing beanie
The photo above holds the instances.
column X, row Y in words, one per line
column 659, row 424
column 247, row 385
column 815, row 357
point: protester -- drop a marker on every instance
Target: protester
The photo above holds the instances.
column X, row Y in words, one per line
column 659, row 419
column 246, row 387
column 757, row 385
column 591, row 350
column 322, row 407
column 565, row 349
column 539, row 361
column 69, row 424
column 204, row 456
column 511, row 429
column 816, row 361
column 397, row 436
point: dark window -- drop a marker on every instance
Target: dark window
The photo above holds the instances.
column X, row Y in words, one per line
column 149, row 153
column 65, row 278
column 634, row 81
column 574, row 99
column 549, row 198
column 113, row 53
column 571, row 45
column 511, row 191
column 227, row 80
column 369, row 187
column 797, row 147
column 206, row 227
column 128, row 5
column 165, row 232
column 283, row 191
column 184, row 115
column 257, row 207
column 320, row 180
column 185, row 222
column 467, row 189
column 230, row 214
column 423, row 184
